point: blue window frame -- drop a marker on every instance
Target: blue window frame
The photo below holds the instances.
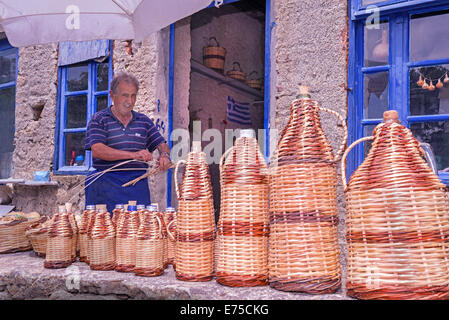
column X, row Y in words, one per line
column 8, row 78
column 385, row 62
column 83, row 90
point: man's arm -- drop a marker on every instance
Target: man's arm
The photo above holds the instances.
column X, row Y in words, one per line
column 164, row 156
column 102, row 151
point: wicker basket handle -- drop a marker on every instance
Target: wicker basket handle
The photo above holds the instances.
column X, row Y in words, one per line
column 252, row 72
column 339, row 153
column 172, row 237
column 238, row 64
column 216, row 41
column 159, row 222
column 343, row 159
column 176, row 177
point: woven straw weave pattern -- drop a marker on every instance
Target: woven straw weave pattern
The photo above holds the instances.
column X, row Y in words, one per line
column 127, row 226
column 59, row 242
column 102, row 235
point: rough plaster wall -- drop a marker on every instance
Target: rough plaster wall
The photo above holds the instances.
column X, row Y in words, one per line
column 236, row 32
column 311, row 49
column 149, row 63
column 34, row 139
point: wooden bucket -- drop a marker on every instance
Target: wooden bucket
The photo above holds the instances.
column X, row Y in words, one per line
column 236, row 72
column 214, row 56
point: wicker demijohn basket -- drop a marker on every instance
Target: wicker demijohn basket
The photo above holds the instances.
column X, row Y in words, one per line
column 37, row 234
column 195, row 219
column 74, row 226
column 59, row 241
column 170, row 222
column 149, row 245
column 125, row 243
column 397, row 220
column 102, row 235
column 83, row 227
column 242, row 231
column 90, row 224
column 303, row 251
column 214, row 56
column 119, row 208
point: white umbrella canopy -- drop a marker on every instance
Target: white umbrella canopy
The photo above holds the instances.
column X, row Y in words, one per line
column 31, row 22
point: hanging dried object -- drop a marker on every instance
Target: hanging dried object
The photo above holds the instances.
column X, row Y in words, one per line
column 446, row 79
column 425, row 85
column 304, row 251
column 420, row 82
column 439, row 84
column 431, row 86
column 397, row 220
column 195, row 219
column 242, row 231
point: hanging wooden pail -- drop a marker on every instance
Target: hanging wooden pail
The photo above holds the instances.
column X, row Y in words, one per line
column 397, row 220
column 254, row 82
column 236, row 72
column 214, row 56
column 304, row 250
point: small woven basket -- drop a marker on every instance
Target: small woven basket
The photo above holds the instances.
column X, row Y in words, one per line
column 397, row 220
column 236, row 72
column 255, row 83
column 195, row 219
column 37, row 234
column 170, row 222
column 12, row 234
column 149, row 245
column 242, row 231
column 83, row 227
column 102, row 235
column 126, row 232
column 214, row 56
column 304, row 252
column 59, row 241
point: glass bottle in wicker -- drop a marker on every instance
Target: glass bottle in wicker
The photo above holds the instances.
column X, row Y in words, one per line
column 303, row 251
column 90, row 224
column 397, row 220
column 195, row 219
column 170, row 219
column 90, row 209
column 102, row 235
column 119, row 208
column 126, row 232
column 59, row 241
column 242, row 230
column 149, row 244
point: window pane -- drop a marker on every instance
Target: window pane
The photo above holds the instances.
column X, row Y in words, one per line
column 376, row 44
column 102, row 76
column 368, row 131
column 76, row 112
column 8, row 65
column 77, row 77
column 367, row 2
column 433, row 97
column 7, row 121
column 437, row 135
column 375, row 95
column 429, row 37
column 74, row 148
column 102, row 102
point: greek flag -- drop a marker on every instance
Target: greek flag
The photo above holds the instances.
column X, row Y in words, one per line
column 238, row 112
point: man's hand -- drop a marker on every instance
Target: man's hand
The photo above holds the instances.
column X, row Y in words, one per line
column 143, row 155
column 163, row 162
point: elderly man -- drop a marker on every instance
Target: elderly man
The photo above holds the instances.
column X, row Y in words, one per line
column 117, row 134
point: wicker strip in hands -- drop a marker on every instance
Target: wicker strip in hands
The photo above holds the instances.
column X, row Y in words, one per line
column 126, row 232
column 102, row 236
column 304, row 252
column 149, row 246
column 195, row 221
column 397, row 220
column 242, row 231
column 59, row 242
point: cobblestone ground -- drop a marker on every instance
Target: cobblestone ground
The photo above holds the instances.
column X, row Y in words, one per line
column 23, row 276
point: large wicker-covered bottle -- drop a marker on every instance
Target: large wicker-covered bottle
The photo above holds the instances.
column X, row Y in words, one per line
column 304, row 252
column 397, row 220
column 59, row 241
column 149, row 244
column 90, row 209
column 102, row 235
column 242, row 231
column 195, row 220
column 126, row 233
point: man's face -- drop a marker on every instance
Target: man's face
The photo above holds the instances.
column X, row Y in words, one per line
column 125, row 98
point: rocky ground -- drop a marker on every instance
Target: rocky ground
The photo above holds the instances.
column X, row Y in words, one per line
column 23, row 276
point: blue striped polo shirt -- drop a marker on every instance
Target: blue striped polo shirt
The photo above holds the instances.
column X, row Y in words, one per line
column 139, row 134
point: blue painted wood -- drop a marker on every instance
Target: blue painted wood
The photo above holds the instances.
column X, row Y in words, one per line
column 171, row 77
column 415, row 64
column 428, row 118
column 266, row 112
column 369, row 70
column 71, row 52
